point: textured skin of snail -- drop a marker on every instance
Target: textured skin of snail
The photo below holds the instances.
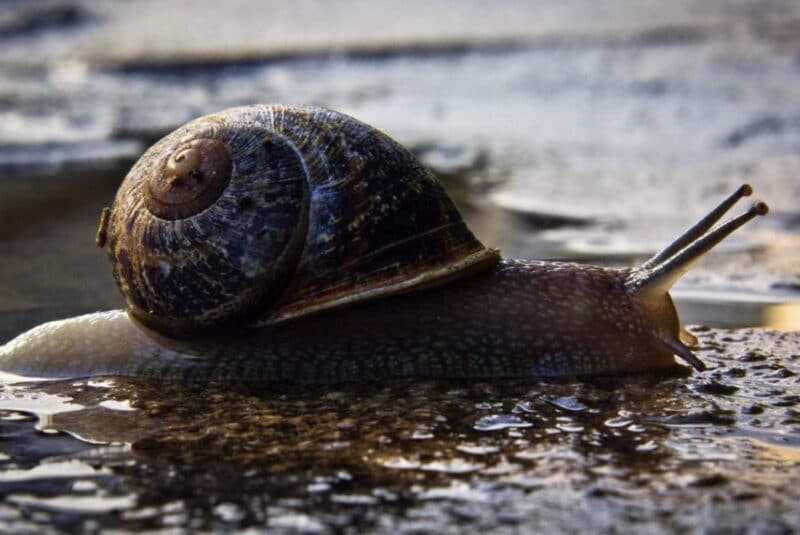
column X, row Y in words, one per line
column 297, row 244
column 568, row 322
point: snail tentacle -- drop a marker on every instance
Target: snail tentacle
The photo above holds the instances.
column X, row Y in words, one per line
column 698, row 229
column 661, row 276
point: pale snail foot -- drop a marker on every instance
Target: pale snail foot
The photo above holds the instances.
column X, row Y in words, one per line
column 101, row 343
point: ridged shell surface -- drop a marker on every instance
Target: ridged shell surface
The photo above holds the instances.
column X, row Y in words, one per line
column 319, row 210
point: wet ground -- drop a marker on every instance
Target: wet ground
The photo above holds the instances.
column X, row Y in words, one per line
column 591, row 132
column 715, row 452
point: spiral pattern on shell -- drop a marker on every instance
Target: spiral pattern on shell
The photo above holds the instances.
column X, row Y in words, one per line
column 263, row 213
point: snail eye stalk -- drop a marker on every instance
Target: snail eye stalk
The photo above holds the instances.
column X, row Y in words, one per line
column 660, row 272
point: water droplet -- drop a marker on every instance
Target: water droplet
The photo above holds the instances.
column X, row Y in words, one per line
column 472, row 449
column 524, row 406
column 567, row 403
column 618, row 421
column 228, row 512
column 501, row 469
column 421, row 433
column 457, row 492
column 698, row 417
column 650, row 445
column 101, row 383
column 498, row 422
column 318, row 488
column 114, row 405
column 401, row 463
column 82, row 485
column 453, row 466
column 547, row 454
column 337, row 445
column 570, row 427
column 354, row 499
column 13, row 416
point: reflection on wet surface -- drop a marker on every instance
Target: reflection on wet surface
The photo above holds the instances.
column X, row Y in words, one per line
column 676, row 451
column 785, row 316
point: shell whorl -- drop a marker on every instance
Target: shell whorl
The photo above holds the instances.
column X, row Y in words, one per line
column 263, row 213
column 193, row 177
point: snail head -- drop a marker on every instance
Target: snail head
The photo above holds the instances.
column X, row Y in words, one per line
column 651, row 281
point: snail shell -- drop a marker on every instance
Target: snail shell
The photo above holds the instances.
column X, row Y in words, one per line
column 263, row 213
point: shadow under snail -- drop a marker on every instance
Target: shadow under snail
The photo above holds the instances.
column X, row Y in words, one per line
column 298, row 244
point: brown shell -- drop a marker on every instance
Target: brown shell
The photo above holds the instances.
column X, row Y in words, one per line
column 316, row 209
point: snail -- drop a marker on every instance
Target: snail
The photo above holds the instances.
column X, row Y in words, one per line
column 298, row 244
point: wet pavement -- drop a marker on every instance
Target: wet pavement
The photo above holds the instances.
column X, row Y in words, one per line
column 712, row 452
column 594, row 131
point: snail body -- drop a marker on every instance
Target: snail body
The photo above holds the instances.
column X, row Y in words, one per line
column 298, row 244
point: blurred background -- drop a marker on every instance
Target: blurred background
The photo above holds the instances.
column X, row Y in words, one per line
column 580, row 130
